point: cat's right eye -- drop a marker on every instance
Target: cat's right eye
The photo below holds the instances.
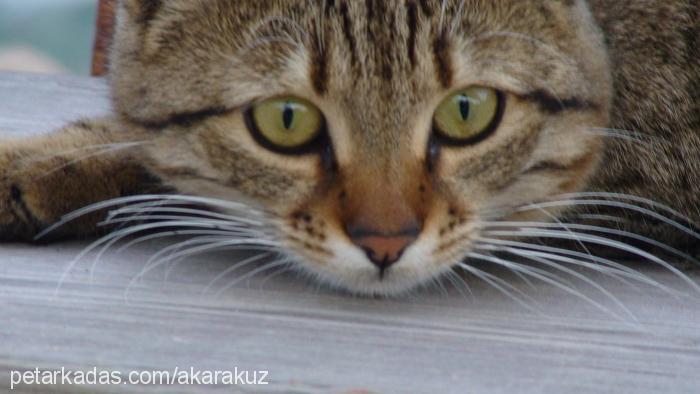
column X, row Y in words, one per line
column 285, row 124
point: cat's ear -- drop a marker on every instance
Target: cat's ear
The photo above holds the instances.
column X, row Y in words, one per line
column 142, row 11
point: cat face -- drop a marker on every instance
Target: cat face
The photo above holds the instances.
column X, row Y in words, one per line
column 379, row 135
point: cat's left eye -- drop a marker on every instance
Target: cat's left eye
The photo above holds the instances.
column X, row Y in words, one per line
column 468, row 116
column 285, row 124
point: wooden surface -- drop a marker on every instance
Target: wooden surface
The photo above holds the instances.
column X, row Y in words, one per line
column 104, row 33
column 316, row 340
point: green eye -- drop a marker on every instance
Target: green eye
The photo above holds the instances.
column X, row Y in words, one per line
column 285, row 123
column 469, row 115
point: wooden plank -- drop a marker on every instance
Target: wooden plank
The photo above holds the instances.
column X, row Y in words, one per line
column 33, row 103
column 105, row 23
column 317, row 340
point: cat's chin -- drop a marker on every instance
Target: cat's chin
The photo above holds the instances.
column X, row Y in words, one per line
column 370, row 285
column 350, row 271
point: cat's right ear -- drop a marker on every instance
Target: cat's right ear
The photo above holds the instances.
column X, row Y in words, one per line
column 142, row 11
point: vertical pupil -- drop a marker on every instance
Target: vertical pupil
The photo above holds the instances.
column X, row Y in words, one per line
column 288, row 115
column 464, row 107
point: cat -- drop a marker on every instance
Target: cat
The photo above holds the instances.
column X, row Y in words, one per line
column 380, row 143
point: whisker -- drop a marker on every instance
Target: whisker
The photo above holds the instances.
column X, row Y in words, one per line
column 436, row 282
column 252, row 274
column 133, row 230
column 602, row 218
column 615, row 269
column 234, row 268
column 620, row 136
column 289, row 267
column 646, row 139
column 519, row 268
column 459, row 283
column 101, row 152
column 172, row 234
column 613, row 204
column 160, row 235
column 533, row 256
column 552, row 282
column 502, row 286
column 629, row 197
column 224, row 224
column 531, row 233
column 175, row 262
column 174, row 252
column 145, row 198
column 114, row 215
column 229, row 234
column 177, row 257
column 604, row 230
column 175, row 205
column 67, row 152
column 561, row 224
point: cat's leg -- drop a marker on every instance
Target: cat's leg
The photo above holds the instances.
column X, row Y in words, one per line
column 46, row 177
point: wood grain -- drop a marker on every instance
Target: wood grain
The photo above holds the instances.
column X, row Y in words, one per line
column 319, row 341
column 105, row 21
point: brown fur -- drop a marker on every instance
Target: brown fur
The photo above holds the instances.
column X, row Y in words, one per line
column 182, row 71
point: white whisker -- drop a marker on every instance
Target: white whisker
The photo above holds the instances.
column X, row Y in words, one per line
column 102, row 152
column 140, row 211
column 237, row 234
column 288, row 267
column 543, row 259
column 252, row 274
column 146, row 198
column 235, row 267
column 174, row 252
column 606, row 266
column 532, row 233
column 210, row 246
column 175, row 233
column 604, row 230
column 502, row 286
column 546, row 279
column 614, row 204
column 459, row 283
column 136, row 229
column 628, row 197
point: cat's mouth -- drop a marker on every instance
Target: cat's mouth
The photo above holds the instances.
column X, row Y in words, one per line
column 402, row 268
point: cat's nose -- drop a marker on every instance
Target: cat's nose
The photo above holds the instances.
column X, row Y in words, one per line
column 383, row 250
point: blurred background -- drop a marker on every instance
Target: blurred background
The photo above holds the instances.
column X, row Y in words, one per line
column 47, row 36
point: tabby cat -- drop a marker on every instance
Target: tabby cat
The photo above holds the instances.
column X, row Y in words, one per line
column 378, row 144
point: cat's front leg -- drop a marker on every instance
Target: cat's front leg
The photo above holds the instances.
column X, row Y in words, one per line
column 46, row 177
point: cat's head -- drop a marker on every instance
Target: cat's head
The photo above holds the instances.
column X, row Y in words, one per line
column 380, row 134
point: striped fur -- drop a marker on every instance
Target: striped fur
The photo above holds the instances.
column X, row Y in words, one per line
column 183, row 71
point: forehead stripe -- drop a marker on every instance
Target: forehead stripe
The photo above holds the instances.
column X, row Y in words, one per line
column 412, row 17
column 319, row 64
column 443, row 61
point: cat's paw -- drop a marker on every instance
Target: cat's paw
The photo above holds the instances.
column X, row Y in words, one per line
column 18, row 221
column 35, row 191
column 44, row 178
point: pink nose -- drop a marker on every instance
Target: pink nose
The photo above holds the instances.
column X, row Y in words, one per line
column 384, row 250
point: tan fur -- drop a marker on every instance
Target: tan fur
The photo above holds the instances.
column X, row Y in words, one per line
column 183, row 71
